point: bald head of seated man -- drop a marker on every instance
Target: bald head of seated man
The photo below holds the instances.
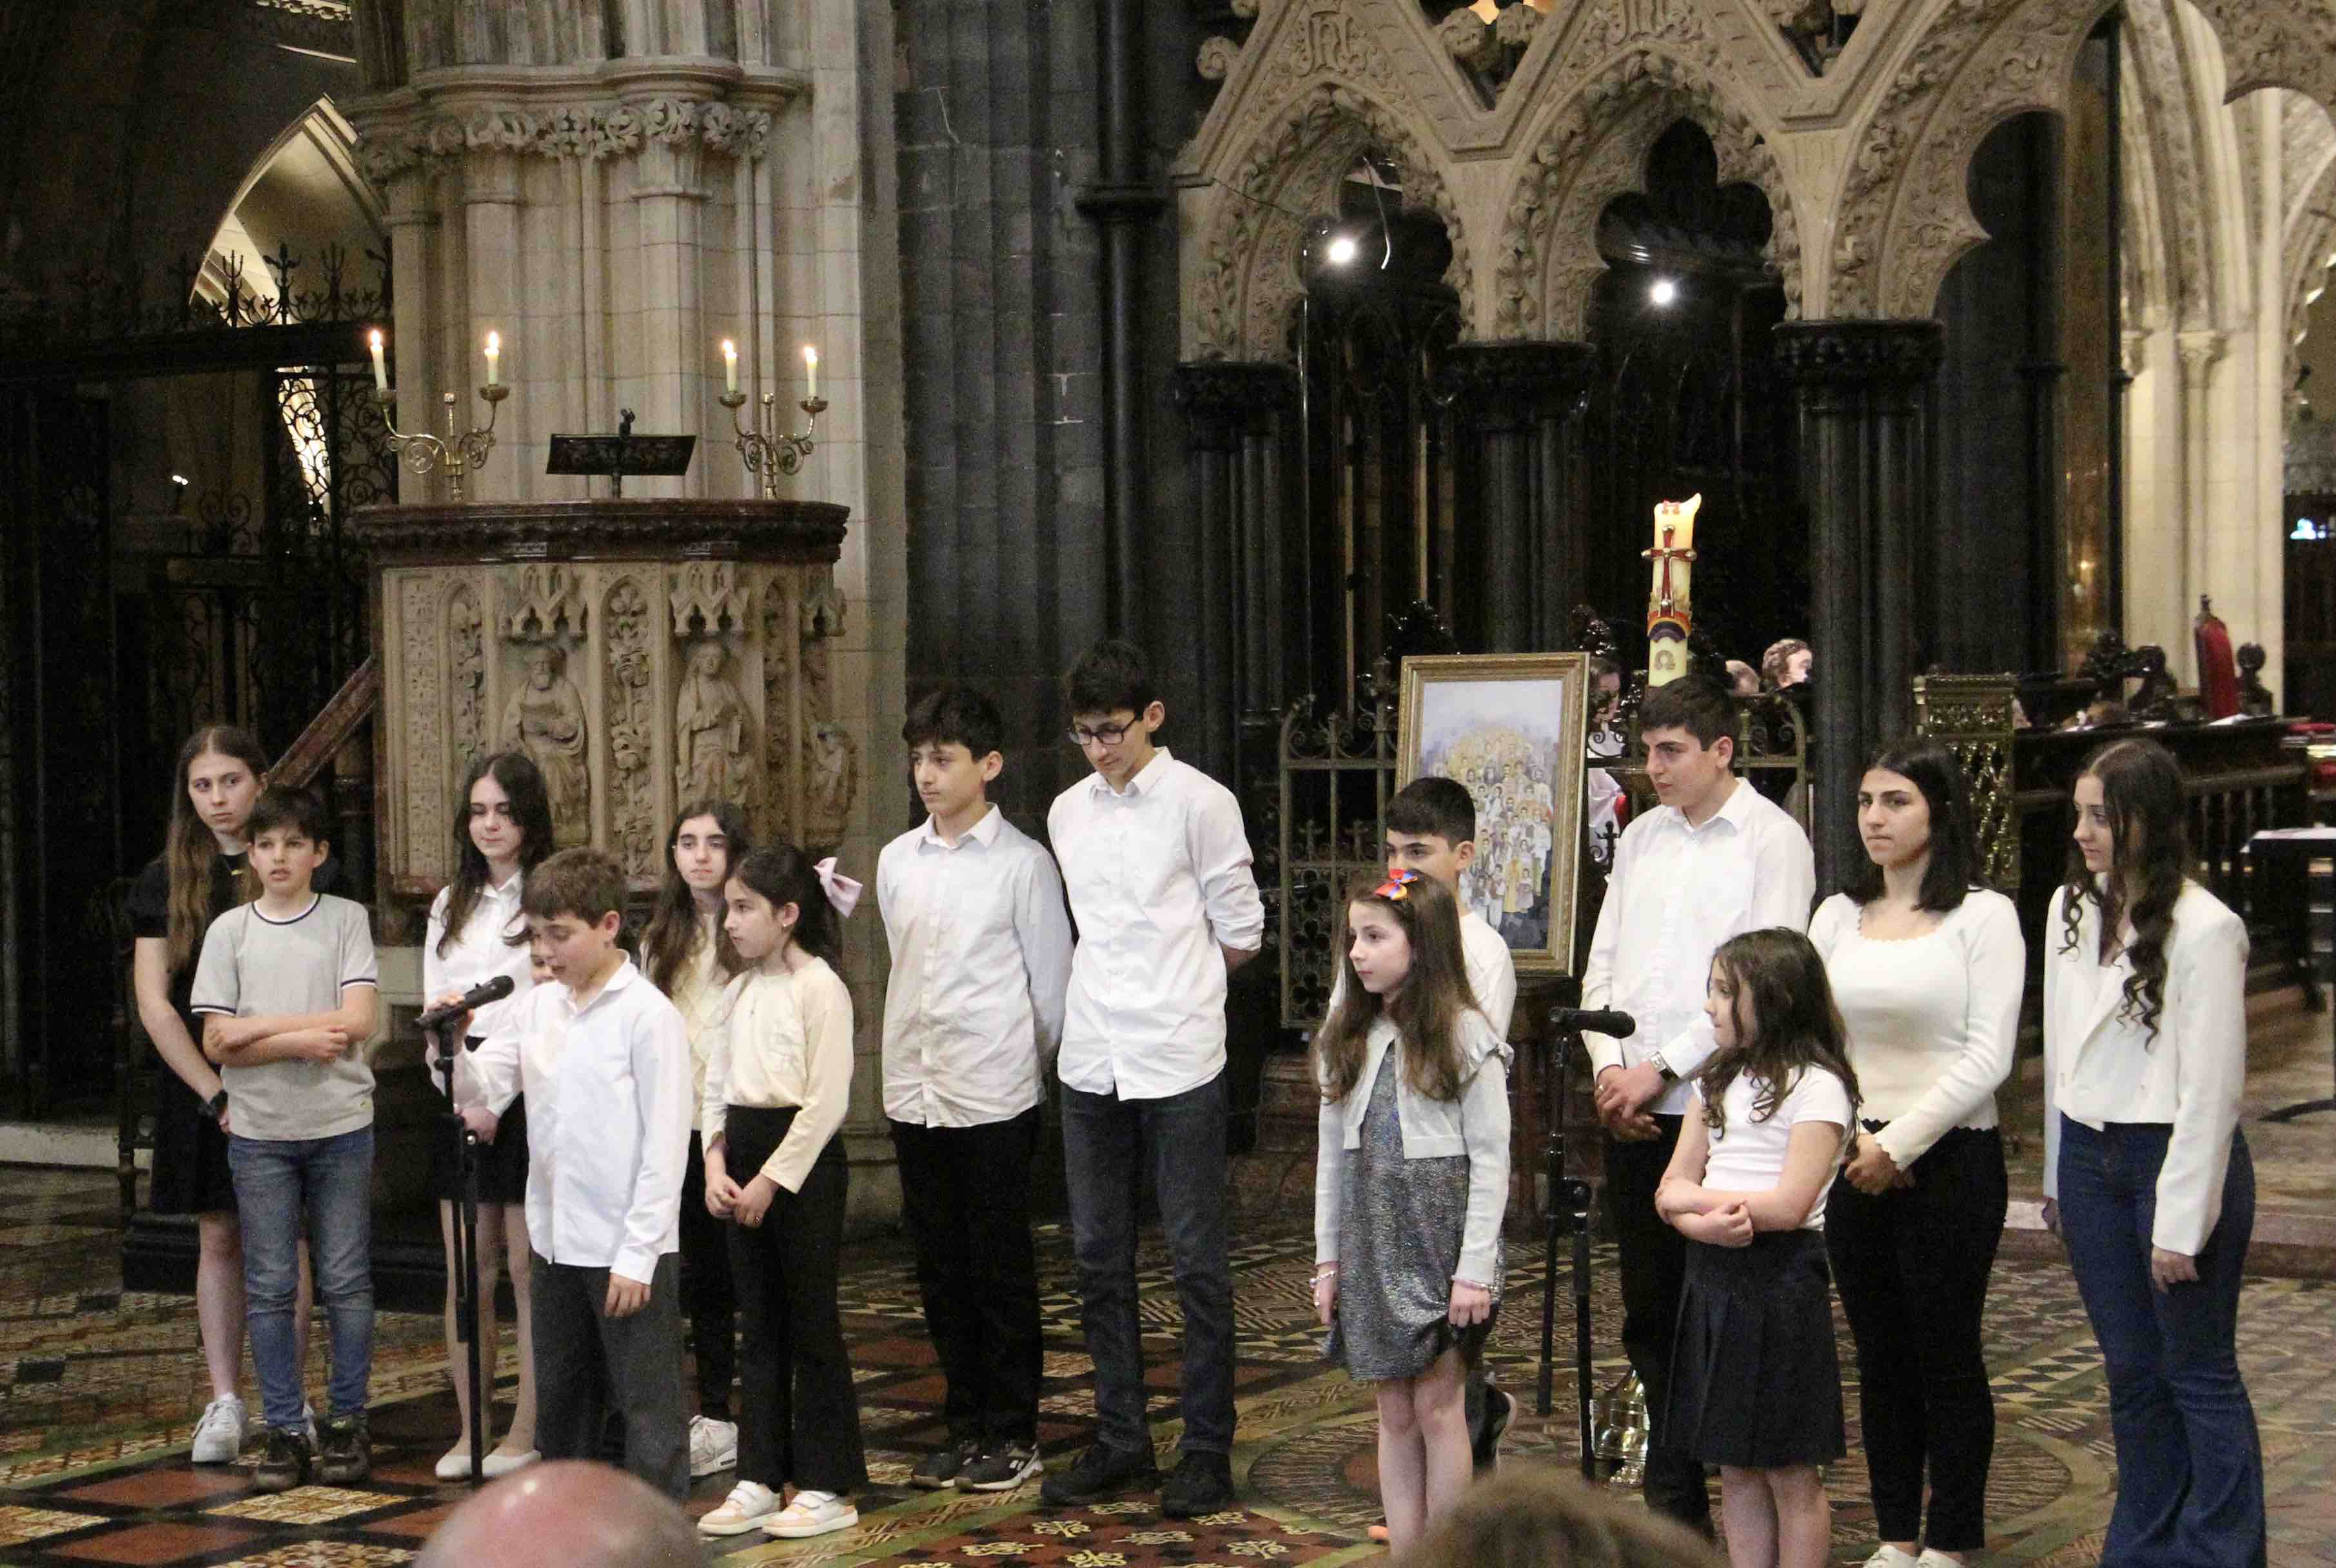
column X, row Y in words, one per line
column 565, row 1513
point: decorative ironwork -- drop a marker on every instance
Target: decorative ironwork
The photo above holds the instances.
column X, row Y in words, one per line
column 81, row 307
column 1975, row 716
column 1337, row 771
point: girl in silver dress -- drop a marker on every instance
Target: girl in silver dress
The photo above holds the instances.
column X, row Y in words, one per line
column 1409, row 1184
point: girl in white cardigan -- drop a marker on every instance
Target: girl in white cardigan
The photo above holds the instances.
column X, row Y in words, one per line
column 2146, row 1176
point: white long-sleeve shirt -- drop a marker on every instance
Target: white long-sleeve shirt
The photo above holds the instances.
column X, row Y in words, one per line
column 1933, row 1019
column 607, row 1121
column 478, row 953
column 782, row 1039
column 981, row 962
column 1676, row 893
column 1159, row 880
column 2102, row 1067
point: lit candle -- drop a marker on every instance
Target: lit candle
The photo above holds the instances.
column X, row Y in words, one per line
column 729, row 365
column 380, row 366
column 494, row 356
column 811, row 372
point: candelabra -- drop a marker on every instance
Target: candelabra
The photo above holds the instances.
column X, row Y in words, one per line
column 768, row 450
column 451, row 454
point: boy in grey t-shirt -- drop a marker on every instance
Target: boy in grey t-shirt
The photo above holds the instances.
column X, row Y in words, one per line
column 286, row 985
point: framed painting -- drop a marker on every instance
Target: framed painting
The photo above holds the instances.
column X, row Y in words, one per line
column 1515, row 729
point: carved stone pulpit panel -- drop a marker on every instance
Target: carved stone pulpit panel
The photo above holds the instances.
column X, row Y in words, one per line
column 645, row 654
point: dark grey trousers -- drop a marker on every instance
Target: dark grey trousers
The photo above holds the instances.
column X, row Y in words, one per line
column 587, row 1364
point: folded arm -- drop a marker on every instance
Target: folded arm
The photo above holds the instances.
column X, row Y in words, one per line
column 233, row 1042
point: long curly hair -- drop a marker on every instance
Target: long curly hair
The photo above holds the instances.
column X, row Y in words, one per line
column 1794, row 1024
column 2149, row 856
column 190, row 849
column 674, row 926
column 531, row 808
column 1425, row 1008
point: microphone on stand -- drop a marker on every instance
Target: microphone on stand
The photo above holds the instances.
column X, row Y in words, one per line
column 477, row 996
column 1593, row 1020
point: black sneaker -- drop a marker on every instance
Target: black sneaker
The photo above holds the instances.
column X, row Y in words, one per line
column 283, row 1463
column 1203, row 1483
column 1101, row 1473
column 1500, row 1409
column 941, row 1470
column 1001, row 1469
column 347, row 1452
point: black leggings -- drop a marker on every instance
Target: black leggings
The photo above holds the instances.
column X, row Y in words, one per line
column 1913, row 1267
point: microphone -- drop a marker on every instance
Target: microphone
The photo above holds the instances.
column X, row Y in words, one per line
column 1595, row 1020
column 478, row 996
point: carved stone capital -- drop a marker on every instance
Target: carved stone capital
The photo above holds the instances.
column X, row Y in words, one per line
column 1519, row 379
column 1860, row 352
column 1221, row 397
column 2199, row 350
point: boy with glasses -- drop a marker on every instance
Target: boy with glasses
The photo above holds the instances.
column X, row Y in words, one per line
column 1157, row 865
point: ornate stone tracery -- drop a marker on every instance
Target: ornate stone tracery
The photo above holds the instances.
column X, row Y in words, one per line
column 590, row 131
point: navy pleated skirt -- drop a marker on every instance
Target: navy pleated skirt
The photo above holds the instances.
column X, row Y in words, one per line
column 1756, row 1380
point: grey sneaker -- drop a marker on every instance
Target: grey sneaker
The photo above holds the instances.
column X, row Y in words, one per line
column 945, row 1467
column 1001, row 1469
column 348, row 1451
column 285, row 1464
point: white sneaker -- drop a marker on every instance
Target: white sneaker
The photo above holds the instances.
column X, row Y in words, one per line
column 454, row 1464
column 502, row 1462
column 1891, row 1557
column 749, row 1503
column 308, row 1419
column 1930, row 1559
column 219, row 1435
column 712, row 1446
column 812, row 1513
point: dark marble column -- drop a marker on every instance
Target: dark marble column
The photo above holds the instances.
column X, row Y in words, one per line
column 1865, row 416
column 1520, row 402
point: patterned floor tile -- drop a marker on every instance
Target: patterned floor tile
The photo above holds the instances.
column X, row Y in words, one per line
column 306, row 1506
column 164, row 1541
column 19, row 1523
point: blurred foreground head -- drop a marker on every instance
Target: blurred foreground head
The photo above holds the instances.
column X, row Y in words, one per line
column 1549, row 1519
column 565, row 1513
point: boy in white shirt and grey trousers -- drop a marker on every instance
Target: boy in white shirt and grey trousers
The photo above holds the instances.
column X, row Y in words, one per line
column 981, row 955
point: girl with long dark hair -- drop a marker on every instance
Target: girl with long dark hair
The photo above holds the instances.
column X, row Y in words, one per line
column 2147, row 1175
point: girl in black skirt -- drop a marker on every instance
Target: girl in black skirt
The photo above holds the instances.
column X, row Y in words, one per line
column 1755, row 1385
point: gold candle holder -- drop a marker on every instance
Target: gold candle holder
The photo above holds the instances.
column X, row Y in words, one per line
column 451, row 454
column 769, row 450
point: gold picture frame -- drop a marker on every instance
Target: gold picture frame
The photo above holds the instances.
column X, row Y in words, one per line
column 1514, row 726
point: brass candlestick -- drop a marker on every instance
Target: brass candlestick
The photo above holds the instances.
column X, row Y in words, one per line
column 768, row 450
column 451, row 454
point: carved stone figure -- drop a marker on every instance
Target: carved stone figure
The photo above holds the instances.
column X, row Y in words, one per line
column 709, row 727
column 545, row 719
column 834, row 777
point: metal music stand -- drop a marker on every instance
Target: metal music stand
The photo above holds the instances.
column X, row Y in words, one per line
column 1569, row 1210
column 642, row 457
column 451, row 1044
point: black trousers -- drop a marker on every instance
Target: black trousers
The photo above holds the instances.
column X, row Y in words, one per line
column 967, row 1192
column 707, row 1291
column 588, row 1364
column 1654, row 1268
column 800, row 1416
column 1912, row 1267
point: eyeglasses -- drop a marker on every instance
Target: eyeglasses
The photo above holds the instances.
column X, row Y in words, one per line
column 1397, row 887
column 1102, row 734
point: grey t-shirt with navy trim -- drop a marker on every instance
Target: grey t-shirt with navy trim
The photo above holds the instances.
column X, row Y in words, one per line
column 254, row 966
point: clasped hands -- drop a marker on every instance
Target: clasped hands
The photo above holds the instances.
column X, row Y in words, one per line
column 1470, row 1304
column 1624, row 1094
column 727, row 1200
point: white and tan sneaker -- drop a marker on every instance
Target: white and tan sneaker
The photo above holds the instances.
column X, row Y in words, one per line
column 812, row 1513
column 712, row 1446
column 750, row 1505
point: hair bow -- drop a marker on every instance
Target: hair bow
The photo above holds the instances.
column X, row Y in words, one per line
column 1397, row 885
column 841, row 890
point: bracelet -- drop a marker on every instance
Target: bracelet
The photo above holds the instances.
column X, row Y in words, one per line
column 1472, row 1284
column 1324, row 1271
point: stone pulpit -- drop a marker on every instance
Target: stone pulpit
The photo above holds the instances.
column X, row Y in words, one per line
column 645, row 653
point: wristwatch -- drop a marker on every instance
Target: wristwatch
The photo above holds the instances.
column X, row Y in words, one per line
column 1663, row 1068
column 217, row 1105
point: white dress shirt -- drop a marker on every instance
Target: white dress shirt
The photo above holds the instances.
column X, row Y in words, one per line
column 1492, row 973
column 607, row 1121
column 2102, row 1067
column 1159, row 880
column 477, row 954
column 981, row 959
column 1933, row 1019
column 1675, row 894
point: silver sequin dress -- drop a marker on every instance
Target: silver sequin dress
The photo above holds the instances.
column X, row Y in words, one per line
column 1400, row 1227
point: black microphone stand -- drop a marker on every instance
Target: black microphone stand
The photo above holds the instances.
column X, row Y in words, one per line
column 1569, row 1209
column 451, row 1044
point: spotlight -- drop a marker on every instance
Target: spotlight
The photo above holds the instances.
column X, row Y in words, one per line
column 178, row 478
column 1341, row 250
column 1663, row 292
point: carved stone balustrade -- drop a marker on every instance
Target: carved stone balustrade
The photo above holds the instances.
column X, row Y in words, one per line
column 646, row 653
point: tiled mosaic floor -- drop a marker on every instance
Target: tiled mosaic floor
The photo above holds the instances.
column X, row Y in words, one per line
column 94, row 1383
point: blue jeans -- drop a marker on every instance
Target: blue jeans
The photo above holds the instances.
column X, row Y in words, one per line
column 332, row 1178
column 1109, row 1145
column 2190, row 1483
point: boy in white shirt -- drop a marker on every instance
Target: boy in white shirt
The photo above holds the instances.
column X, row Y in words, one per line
column 603, row 1058
column 1713, row 860
column 1157, row 865
column 981, row 955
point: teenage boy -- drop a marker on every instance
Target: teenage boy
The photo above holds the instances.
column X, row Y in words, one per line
column 288, row 985
column 1714, row 859
column 1158, row 869
column 981, row 955
column 603, row 1058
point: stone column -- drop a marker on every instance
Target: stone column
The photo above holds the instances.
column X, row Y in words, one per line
column 1519, row 402
column 1864, row 464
